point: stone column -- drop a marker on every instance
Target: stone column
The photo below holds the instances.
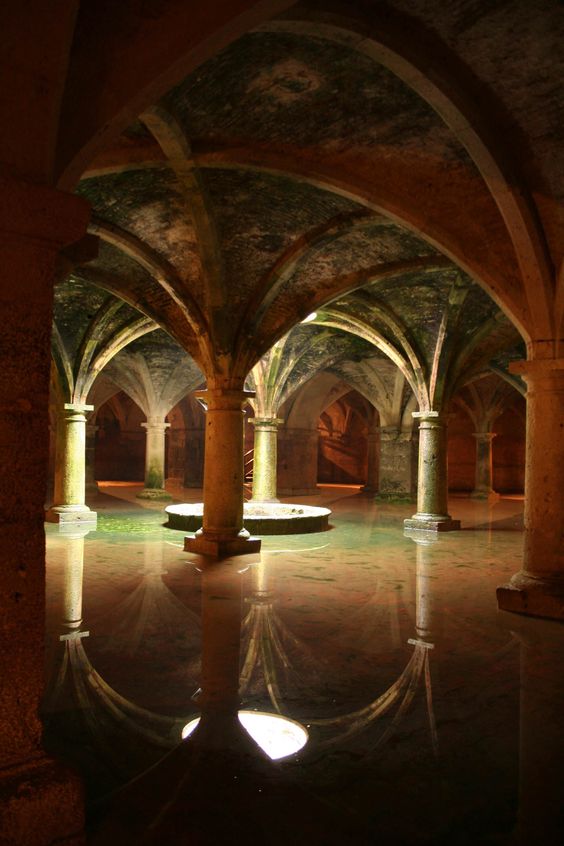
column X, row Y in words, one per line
column 194, row 458
column 538, row 589
column 432, row 484
column 91, row 486
column 40, row 800
column 70, row 478
column 396, row 482
column 155, row 459
column 372, row 442
column 265, row 458
column 222, row 532
column 484, row 467
column 297, row 464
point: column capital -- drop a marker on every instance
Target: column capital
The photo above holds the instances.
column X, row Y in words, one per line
column 484, row 436
column 433, row 419
column 224, row 399
column 155, row 424
column 540, row 368
column 77, row 408
column 41, row 213
column 266, row 423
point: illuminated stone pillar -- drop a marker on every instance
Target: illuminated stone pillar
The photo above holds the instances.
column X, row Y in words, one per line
column 40, row 800
column 222, row 532
column 155, row 459
column 484, row 467
column 396, row 470
column 432, row 482
column 538, row 589
column 265, row 458
column 91, row 486
column 70, row 477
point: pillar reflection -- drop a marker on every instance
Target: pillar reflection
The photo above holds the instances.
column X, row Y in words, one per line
column 80, row 710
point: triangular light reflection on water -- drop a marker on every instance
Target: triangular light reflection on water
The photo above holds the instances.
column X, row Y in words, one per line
column 277, row 736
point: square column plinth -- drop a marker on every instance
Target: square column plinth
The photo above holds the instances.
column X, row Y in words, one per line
column 64, row 514
column 432, row 523
column 202, row 544
column 534, row 597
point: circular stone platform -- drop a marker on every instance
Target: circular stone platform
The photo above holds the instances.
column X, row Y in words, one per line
column 259, row 518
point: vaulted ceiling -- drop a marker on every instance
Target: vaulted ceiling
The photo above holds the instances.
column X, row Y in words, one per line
column 313, row 149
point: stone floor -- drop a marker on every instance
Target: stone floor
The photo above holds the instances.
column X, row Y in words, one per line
column 433, row 718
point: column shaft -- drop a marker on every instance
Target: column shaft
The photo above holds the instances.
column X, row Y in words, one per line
column 69, row 505
column 40, row 802
column 432, row 484
column 396, row 466
column 484, row 466
column 222, row 532
column 265, row 458
column 538, row 589
column 155, row 428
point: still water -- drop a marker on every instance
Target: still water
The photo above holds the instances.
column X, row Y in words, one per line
column 414, row 711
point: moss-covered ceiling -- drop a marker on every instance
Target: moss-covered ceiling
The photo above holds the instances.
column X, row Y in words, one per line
column 228, row 252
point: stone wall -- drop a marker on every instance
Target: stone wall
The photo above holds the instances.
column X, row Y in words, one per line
column 509, row 451
column 297, row 461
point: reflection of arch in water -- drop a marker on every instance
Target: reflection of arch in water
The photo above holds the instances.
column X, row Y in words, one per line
column 151, row 611
column 82, row 711
column 401, row 693
column 268, row 647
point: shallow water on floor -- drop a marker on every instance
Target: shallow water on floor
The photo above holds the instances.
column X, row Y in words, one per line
column 431, row 716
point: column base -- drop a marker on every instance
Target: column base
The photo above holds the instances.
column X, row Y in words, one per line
column 485, row 496
column 41, row 803
column 202, row 544
column 394, row 497
column 293, row 492
column 431, row 523
column 155, row 494
column 70, row 514
column 533, row 597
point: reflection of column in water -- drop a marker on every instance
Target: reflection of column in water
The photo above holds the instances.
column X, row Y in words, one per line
column 72, row 578
column 221, row 627
column 424, row 615
column 275, row 661
column 151, row 617
column 260, row 579
column 79, row 703
column 424, row 597
column 71, row 614
column 541, row 734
